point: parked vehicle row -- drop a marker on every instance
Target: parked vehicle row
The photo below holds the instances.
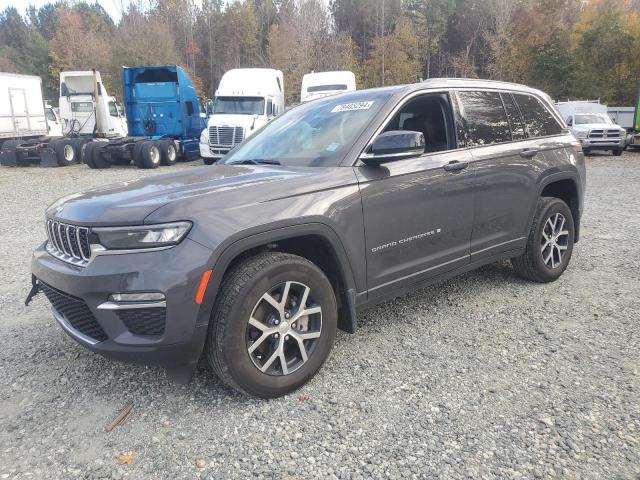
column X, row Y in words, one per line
column 333, row 206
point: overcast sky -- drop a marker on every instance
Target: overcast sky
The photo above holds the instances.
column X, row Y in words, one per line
column 113, row 7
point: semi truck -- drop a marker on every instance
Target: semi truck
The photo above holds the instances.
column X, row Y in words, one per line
column 633, row 138
column 322, row 84
column 77, row 105
column 164, row 120
column 246, row 100
column 29, row 129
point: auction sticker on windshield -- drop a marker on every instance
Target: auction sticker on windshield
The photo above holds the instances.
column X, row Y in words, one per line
column 347, row 107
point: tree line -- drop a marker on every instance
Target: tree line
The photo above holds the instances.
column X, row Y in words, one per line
column 569, row 48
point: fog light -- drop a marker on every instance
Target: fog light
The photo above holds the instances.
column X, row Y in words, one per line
column 137, row 297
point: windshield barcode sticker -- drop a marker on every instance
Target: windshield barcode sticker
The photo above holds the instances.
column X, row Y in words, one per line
column 347, row 107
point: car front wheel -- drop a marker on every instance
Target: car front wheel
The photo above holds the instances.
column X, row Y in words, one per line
column 273, row 324
column 549, row 244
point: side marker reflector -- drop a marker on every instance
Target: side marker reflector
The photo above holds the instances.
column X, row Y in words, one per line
column 202, row 288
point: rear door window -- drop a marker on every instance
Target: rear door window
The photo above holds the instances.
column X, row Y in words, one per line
column 538, row 119
column 485, row 118
column 515, row 119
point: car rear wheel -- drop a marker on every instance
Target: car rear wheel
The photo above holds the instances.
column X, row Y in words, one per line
column 273, row 325
column 550, row 242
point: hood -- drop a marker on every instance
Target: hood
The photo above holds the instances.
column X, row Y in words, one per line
column 129, row 203
column 590, row 126
column 230, row 120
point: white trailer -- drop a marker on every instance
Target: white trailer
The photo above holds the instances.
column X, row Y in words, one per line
column 322, row 84
column 246, row 100
column 25, row 133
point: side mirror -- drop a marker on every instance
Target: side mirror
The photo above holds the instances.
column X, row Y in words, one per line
column 394, row 145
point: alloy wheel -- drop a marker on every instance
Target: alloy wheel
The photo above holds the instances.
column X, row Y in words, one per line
column 283, row 329
column 68, row 152
column 554, row 241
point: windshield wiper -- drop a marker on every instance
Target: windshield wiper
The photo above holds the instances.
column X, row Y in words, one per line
column 258, row 161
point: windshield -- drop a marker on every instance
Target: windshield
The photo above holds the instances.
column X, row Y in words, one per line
column 592, row 118
column 325, row 88
column 239, row 105
column 313, row 134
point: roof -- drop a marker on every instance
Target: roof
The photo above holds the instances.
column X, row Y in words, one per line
column 445, row 83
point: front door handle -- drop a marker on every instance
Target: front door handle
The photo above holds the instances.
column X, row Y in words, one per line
column 528, row 153
column 455, row 165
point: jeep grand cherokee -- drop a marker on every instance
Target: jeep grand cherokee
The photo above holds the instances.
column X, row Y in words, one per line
column 334, row 205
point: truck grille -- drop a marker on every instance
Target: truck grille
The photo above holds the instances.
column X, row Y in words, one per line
column 225, row 136
column 68, row 242
column 74, row 311
column 599, row 134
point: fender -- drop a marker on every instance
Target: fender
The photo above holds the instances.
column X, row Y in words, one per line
column 554, row 177
column 220, row 263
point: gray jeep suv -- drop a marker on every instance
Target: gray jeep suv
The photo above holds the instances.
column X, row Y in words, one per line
column 333, row 206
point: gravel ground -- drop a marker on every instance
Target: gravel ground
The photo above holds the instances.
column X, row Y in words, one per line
column 484, row 376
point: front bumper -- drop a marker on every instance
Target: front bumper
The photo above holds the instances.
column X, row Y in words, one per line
column 178, row 328
column 603, row 144
column 207, row 151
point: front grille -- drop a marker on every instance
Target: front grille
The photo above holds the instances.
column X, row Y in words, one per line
column 225, row 136
column 68, row 242
column 144, row 321
column 74, row 311
column 602, row 133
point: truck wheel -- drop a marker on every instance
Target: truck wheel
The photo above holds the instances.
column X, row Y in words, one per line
column 168, row 152
column 208, row 160
column 273, row 324
column 96, row 157
column 550, row 242
column 616, row 152
column 86, row 155
column 150, row 155
column 137, row 155
column 65, row 151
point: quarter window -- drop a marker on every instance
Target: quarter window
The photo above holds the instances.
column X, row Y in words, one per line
column 538, row 119
column 515, row 119
column 485, row 117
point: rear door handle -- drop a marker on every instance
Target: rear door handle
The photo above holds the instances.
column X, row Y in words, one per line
column 455, row 165
column 528, row 153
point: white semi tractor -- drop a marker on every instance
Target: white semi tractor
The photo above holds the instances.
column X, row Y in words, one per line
column 246, row 100
column 77, row 105
column 322, row 84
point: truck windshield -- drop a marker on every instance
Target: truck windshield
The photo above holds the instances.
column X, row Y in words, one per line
column 239, row 105
column 315, row 134
column 325, row 88
column 592, row 118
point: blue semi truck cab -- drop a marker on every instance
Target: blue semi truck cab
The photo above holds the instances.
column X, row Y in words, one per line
column 163, row 117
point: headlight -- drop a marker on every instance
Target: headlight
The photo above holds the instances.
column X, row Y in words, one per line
column 143, row 236
column 204, row 136
column 582, row 133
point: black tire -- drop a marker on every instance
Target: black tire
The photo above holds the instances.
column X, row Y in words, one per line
column 228, row 336
column 531, row 265
column 137, row 155
column 66, row 151
column 616, row 152
column 586, row 151
column 209, row 161
column 96, row 156
column 168, row 152
column 86, row 154
column 150, row 155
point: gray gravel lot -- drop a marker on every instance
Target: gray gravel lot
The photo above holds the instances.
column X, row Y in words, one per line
column 484, row 376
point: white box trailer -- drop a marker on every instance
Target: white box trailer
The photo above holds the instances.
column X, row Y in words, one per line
column 21, row 107
column 25, row 133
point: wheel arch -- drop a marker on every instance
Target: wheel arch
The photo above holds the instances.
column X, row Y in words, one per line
column 566, row 187
column 316, row 242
